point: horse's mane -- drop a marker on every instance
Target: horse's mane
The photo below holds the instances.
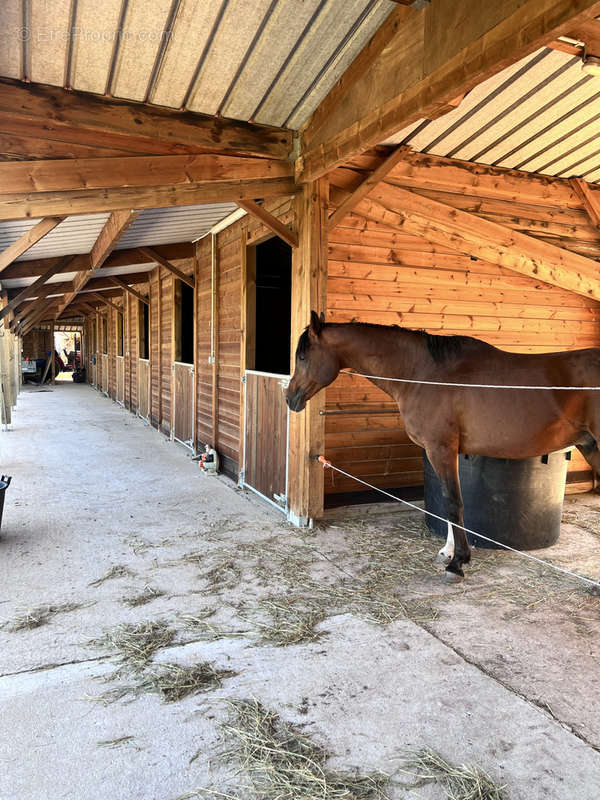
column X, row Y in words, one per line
column 440, row 348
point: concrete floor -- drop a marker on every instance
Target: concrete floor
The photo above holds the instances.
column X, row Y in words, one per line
column 504, row 678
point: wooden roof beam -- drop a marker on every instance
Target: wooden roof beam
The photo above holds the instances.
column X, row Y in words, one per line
column 367, row 185
column 49, row 112
column 474, row 236
column 68, row 174
column 268, row 219
column 114, row 227
column 152, row 255
column 20, row 205
column 420, row 61
column 122, row 285
column 118, row 258
column 423, row 171
column 31, row 290
column 103, row 299
column 590, row 200
column 27, row 240
column 27, row 324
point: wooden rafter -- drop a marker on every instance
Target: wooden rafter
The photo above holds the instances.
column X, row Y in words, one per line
column 27, row 240
column 118, row 258
column 21, row 205
column 55, row 114
column 474, row 236
column 426, row 172
column 35, row 316
column 590, row 200
column 141, row 171
column 103, row 299
column 367, row 185
column 268, row 219
column 30, row 291
column 122, row 285
column 150, row 253
column 421, row 61
column 114, row 227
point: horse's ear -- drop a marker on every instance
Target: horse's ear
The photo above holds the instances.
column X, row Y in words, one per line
column 316, row 323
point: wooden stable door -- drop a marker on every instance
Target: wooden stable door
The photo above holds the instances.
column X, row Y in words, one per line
column 105, row 358
column 120, row 362
column 143, row 388
column 183, row 403
column 266, row 423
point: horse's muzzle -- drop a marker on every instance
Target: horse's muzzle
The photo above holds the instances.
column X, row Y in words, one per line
column 297, row 400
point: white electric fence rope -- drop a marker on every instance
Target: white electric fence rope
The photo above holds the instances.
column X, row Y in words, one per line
column 476, row 385
column 328, row 465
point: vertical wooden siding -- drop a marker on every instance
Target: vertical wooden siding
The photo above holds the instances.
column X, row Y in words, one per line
column 381, row 276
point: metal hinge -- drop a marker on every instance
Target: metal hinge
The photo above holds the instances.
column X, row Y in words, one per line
column 244, row 379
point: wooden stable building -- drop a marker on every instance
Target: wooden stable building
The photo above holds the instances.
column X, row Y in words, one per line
column 434, row 169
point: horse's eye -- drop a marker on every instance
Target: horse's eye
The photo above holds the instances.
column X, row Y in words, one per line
column 301, row 358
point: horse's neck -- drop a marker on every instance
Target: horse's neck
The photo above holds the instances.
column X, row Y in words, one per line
column 385, row 352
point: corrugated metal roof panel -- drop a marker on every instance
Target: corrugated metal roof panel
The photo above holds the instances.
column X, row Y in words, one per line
column 229, row 45
column 230, row 57
column 47, row 47
column 170, row 225
column 75, row 234
column 144, row 28
column 188, row 39
column 540, row 115
column 94, row 41
column 302, row 76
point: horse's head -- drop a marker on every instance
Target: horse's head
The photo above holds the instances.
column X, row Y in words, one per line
column 317, row 365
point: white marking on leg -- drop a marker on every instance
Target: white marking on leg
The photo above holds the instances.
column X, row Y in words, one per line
column 447, row 550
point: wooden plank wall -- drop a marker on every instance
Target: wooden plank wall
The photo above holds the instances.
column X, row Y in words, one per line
column 229, row 257
column 382, row 276
column 36, row 343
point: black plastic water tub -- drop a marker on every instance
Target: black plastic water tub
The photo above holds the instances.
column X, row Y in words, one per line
column 517, row 502
column 4, row 484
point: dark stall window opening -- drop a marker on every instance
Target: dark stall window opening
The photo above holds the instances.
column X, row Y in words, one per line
column 273, row 260
column 120, row 336
column 143, row 330
column 184, row 323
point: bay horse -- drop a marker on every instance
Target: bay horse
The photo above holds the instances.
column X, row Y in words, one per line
column 448, row 420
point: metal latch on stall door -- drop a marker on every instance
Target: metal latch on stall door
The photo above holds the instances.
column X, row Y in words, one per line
column 244, row 379
column 284, row 383
column 280, row 499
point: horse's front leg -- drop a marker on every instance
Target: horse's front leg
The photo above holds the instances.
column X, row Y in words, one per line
column 456, row 552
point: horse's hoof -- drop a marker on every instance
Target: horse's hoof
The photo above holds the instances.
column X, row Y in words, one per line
column 452, row 577
column 442, row 559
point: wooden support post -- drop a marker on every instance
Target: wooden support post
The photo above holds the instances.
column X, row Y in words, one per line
column 160, row 390
column 243, row 340
column 214, row 338
column 196, row 353
column 309, row 292
column 52, row 348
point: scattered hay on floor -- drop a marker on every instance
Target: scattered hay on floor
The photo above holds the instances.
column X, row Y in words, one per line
column 116, row 571
column 224, row 575
column 464, row 782
column 148, row 594
column 113, row 743
column 136, row 643
column 293, row 621
column 41, row 615
column 281, row 763
column 175, row 681
column 206, row 631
